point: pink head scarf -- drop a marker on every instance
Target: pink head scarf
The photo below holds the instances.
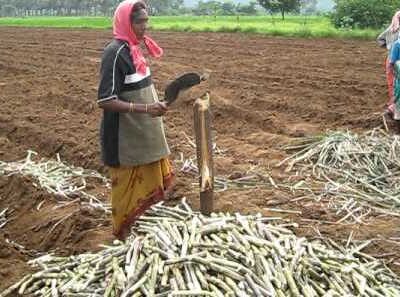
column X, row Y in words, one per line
column 394, row 27
column 122, row 29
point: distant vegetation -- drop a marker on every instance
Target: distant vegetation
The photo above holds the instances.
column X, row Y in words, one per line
column 350, row 18
column 364, row 13
column 12, row 8
column 304, row 26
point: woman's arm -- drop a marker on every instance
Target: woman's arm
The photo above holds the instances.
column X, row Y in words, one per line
column 155, row 109
column 381, row 40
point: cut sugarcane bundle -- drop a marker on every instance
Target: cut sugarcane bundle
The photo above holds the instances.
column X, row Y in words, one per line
column 358, row 171
column 56, row 177
column 175, row 251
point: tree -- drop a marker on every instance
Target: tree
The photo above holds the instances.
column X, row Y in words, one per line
column 308, row 6
column 207, row 8
column 249, row 9
column 228, row 8
column 282, row 6
column 106, row 6
column 158, row 7
column 363, row 13
column 8, row 10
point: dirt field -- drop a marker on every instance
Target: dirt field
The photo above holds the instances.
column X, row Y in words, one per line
column 265, row 91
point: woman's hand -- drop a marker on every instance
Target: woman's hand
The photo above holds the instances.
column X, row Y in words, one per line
column 157, row 109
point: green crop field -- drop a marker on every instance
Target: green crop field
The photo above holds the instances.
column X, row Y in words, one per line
column 300, row 26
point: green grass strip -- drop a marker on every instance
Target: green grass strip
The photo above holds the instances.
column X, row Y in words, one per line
column 292, row 26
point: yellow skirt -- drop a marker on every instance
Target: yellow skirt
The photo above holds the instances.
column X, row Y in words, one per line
column 135, row 189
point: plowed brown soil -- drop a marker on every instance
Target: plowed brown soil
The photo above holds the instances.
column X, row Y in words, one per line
column 264, row 91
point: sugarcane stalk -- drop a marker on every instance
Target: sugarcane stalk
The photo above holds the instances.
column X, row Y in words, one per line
column 279, row 263
column 202, row 128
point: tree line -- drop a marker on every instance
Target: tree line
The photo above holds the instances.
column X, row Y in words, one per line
column 107, row 7
column 56, row 7
column 347, row 14
column 157, row 7
column 351, row 14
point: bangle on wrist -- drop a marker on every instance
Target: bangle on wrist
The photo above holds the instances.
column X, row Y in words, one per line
column 146, row 107
column 131, row 107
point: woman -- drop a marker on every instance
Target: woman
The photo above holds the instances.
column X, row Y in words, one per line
column 386, row 39
column 132, row 133
column 394, row 65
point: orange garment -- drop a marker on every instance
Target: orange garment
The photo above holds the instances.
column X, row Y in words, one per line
column 135, row 189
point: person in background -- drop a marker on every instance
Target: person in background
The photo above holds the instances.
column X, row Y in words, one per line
column 394, row 67
column 133, row 142
column 386, row 39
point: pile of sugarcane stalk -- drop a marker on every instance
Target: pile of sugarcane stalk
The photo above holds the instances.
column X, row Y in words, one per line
column 364, row 170
column 174, row 251
column 65, row 182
